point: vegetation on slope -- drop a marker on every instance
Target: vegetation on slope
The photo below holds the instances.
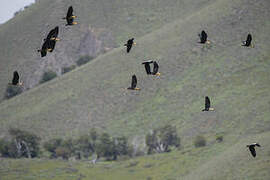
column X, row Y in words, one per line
column 95, row 95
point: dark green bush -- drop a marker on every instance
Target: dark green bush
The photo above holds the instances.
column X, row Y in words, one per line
column 47, row 76
column 199, row 141
column 68, row 69
column 12, row 91
column 84, row 59
column 219, row 138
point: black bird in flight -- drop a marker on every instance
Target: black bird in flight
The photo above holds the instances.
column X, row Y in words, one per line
column 207, row 105
column 147, row 67
column 252, row 148
column 247, row 43
column 52, row 38
column 16, row 79
column 70, row 17
column 203, row 37
column 134, row 83
column 129, row 44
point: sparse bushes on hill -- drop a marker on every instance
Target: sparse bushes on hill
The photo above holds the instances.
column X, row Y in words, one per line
column 22, row 144
column 12, row 91
column 84, row 59
column 162, row 139
column 68, row 69
column 199, row 141
column 47, row 76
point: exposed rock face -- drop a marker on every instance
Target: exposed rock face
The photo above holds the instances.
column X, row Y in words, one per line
column 74, row 43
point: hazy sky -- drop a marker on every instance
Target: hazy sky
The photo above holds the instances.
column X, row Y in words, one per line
column 9, row 7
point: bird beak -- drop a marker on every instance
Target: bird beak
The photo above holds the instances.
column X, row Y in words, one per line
column 73, row 16
column 74, row 23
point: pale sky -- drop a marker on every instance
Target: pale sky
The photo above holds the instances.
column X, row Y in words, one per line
column 9, row 7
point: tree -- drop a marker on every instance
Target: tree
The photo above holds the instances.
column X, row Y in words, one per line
column 27, row 144
column 52, row 145
column 105, row 146
column 161, row 139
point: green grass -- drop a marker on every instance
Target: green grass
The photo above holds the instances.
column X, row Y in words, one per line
column 94, row 95
column 215, row 161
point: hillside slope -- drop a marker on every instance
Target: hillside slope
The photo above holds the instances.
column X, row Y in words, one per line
column 235, row 77
column 103, row 25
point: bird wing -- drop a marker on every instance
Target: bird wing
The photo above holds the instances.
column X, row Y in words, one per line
column 134, row 82
column 207, row 102
column 203, row 37
column 252, row 150
column 147, row 68
column 155, row 69
column 50, row 35
column 16, row 78
column 70, row 12
column 129, row 47
column 51, row 45
column 258, row 145
column 56, row 31
column 249, row 39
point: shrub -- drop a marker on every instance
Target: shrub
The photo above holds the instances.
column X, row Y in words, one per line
column 47, row 76
column 68, row 69
column 84, row 59
column 12, row 91
column 219, row 138
column 199, row 141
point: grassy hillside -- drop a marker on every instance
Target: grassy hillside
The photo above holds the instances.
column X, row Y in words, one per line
column 234, row 77
column 102, row 26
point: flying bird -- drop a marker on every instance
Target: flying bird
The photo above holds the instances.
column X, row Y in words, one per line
column 203, row 37
column 247, row 43
column 16, row 79
column 147, row 66
column 252, row 148
column 45, row 48
column 134, row 83
column 129, row 44
column 155, row 69
column 70, row 17
column 207, row 105
column 52, row 38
